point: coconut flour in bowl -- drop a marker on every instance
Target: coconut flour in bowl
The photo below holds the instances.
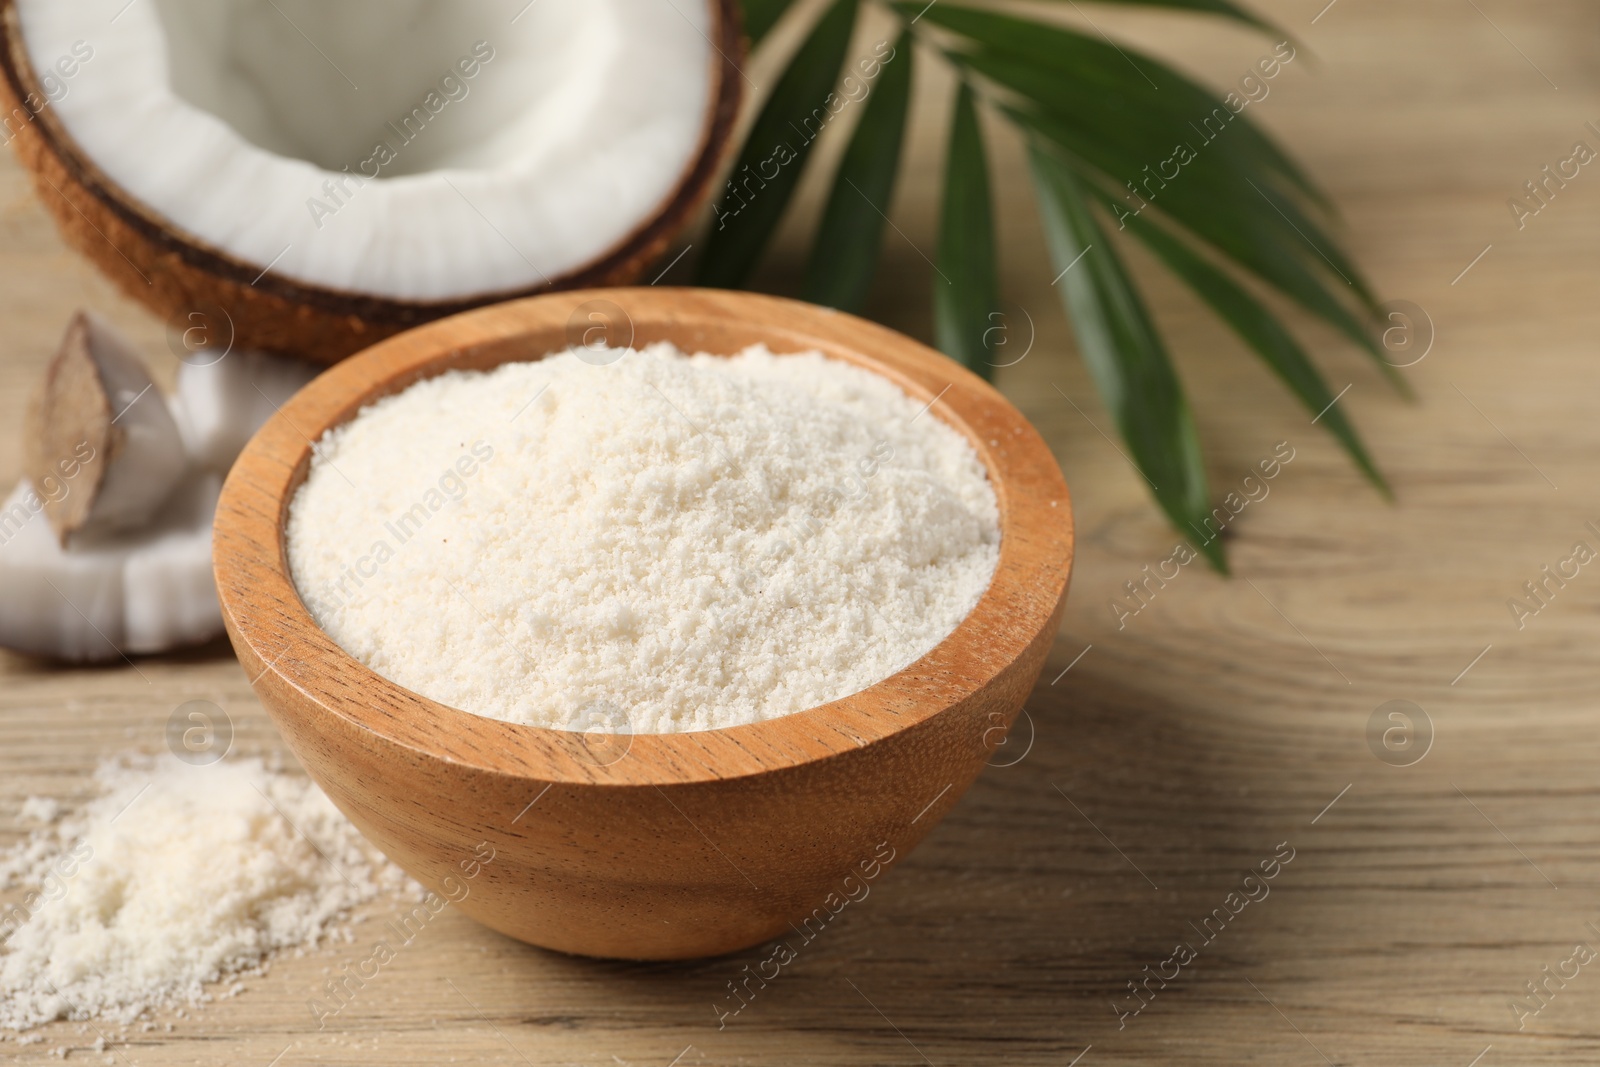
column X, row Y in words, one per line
column 643, row 541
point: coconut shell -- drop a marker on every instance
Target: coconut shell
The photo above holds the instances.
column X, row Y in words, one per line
column 174, row 273
column 72, row 452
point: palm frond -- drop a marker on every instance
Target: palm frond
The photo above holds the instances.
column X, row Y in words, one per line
column 844, row 255
column 1257, row 328
column 761, row 15
column 1126, row 358
column 1210, row 7
column 1112, row 134
column 775, row 151
column 965, row 290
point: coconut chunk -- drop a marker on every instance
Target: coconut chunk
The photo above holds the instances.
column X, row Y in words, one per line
column 59, row 604
column 102, row 445
column 221, row 402
column 119, row 594
column 169, row 594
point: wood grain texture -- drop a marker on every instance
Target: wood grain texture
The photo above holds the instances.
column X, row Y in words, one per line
column 615, row 862
column 1196, row 739
column 174, row 273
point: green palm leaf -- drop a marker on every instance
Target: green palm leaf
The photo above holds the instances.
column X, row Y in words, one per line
column 1210, row 7
column 774, row 154
column 1124, row 113
column 1214, row 211
column 1114, row 80
column 761, row 15
column 1256, row 326
column 1197, row 181
column 845, row 253
column 1123, row 351
column 965, row 292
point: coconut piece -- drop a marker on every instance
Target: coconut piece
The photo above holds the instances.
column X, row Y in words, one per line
column 330, row 174
column 66, row 605
column 220, row 403
column 169, row 594
column 149, row 591
column 101, row 443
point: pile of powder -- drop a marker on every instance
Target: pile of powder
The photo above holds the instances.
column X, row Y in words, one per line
column 175, row 876
column 644, row 541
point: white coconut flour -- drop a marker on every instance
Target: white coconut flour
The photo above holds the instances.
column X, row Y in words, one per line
column 174, row 877
column 642, row 540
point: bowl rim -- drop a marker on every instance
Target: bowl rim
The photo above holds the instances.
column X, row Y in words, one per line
column 295, row 664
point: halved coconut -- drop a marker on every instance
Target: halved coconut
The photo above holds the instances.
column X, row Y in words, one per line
column 332, row 173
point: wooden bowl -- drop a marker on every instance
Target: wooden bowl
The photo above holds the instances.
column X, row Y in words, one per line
column 647, row 846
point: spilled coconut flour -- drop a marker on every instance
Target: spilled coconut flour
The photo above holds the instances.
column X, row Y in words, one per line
column 643, row 541
column 175, row 876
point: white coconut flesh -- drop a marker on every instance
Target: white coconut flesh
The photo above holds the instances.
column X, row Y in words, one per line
column 142, row 592
column 406, row 149
column 222, row 399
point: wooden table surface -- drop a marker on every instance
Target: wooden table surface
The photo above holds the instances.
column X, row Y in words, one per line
column 1228, row 721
